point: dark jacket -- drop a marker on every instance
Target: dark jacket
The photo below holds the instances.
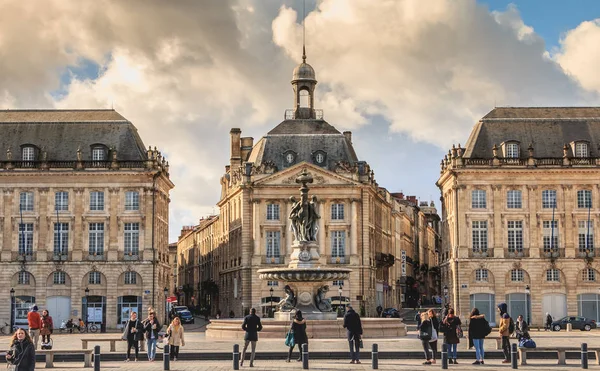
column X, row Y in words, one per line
column 522, row 329
column 448, row 327
column 299, row 328
column 549, row 320
column 148, row 327
column 252, row 326
column 479, row 328
column 135, row 336
column 23, row 355
column 426, row 330
column 352, row 324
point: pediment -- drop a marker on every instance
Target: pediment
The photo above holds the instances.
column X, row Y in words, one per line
column 320, row 176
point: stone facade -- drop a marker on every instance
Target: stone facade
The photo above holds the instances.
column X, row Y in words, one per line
column 77, row 213
column 516, row 202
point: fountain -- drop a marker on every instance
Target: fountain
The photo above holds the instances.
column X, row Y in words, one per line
column 305, row 290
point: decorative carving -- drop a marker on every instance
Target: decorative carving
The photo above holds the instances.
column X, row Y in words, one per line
column 289, row 302
column 303, row 214
column 322, row 303
column 78, row 190
column 8, row 154
column 79, row 158
column 345, row 167
column 267, row 167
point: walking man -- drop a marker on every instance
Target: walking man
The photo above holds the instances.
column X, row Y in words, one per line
column 34, row 321
column 354, row 331
column 504, row 330
column 252, row 326
column 548, row 322
column 151, row 328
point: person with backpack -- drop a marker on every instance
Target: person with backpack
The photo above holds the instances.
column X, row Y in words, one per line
column 479, row 328
column 425, row 334
column 452, row 333
column 507, row 327
column 522, row 329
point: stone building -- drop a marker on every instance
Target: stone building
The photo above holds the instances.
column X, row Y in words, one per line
column 520, row 205
column 84, row 217
column 359, row 228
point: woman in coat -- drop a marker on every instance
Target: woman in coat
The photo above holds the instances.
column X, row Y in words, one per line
column 425, row 332
column 435, row 322
column 300, row 337
column 134, row 332
column 448, row 327
column 479, row 328
column 21, row 352
column 176, row 338
column 47, row 327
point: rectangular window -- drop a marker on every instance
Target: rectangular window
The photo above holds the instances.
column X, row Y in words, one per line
column 589, row 275
column 132, row 238
column 586, row 236
column 61, row 201
column 132, row 201
column 272, row 283
column 581, row 150
column 513, row 199
column 61, row 238
column 25, row 238
column 26, row 201
column 512, row 150
column 553, row 275
column 584, row 199
column 549, row 199
column 338, row 246
column 479, row 235
column 337, row 283
column 96, row 201
column 550, row 231
column 130, row 278
column 60, row 278
column 273, row 246
column 98, row 154
column 95, row 278
column 96, row 239
column 516, row 275
column 28, row 154
column 23, row 278
column 337, row 212
column 515, row 236
column 478, row 200
column 272, row 211
column 481, row 275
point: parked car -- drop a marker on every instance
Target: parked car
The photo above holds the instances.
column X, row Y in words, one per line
column 390, row 313
column 180, row 308
column 578, row 323
column 185, row 316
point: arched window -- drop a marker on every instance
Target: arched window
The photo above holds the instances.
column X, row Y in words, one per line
column 304, row 98
column 588, row 275
column 517, row 275
column 481, row 275
column 553, row 275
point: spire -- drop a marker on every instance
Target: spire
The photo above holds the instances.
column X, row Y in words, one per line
column 303, row 54
column 304, row 31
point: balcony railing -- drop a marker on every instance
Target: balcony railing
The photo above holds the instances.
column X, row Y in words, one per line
column 131, row 256
column 96, row 257
column 590, row 253
column 481, row 253
column 338, row 260
column 516, row 253
column 513, row 161
column 478, row 161
column 553, row 253
column 273, row 260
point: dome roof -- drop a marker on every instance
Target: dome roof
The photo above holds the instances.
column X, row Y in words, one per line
column 303, row 71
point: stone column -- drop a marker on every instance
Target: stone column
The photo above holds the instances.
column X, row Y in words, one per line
column 113, row 248
column 353, row 227
column 79, row 242
column 46, row 226
column 7, row 226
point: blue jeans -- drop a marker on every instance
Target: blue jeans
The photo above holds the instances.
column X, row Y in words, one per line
column 452, row 351
column 354, row 349
column 479, row 354
column 151, row 349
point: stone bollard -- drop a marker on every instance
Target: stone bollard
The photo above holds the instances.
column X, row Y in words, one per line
column 166, row 359
column 444, row 356
column 305, row 356
column 97, row 358
column 569, row 327
column 514, row 356
column 375, row 357
column 236, row 356
column 584, row 355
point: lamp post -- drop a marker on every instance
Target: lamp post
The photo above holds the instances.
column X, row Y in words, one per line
column 445, row 294
column 166, row 292
column 340, row 296
column 271, row 314
column 527, row 296
column 87, row 294
column 12, row 308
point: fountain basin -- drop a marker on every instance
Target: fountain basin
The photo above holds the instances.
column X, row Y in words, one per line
column 304, row 274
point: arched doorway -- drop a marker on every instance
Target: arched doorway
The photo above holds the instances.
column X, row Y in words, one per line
column 555, row 304
column 519, row 304
column 588, row 305
column 485, row 304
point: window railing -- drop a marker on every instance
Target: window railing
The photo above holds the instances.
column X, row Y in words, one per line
column 583, row 161
column 513, row 161
column 339, row 260
column 478, row 253
column 96, row 256
column 553, row 253
column 131, row 256
column 590, row 253
column 516, row 253
column 273, row 260
column 60, row 256
column 478, row 161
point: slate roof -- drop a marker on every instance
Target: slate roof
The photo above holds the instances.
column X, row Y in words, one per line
column 304, row 138
column 547, row 128
column 62, row 132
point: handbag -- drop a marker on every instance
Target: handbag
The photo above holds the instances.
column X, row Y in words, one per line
column 459, row 332
column 124, row 336
column 289, row 338
column 360, row 343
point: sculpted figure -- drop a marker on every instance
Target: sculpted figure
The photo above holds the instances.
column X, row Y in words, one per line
column 8, row 154
column 322, row 304
column 312, row 220
column 289, row 302
column 304, row 218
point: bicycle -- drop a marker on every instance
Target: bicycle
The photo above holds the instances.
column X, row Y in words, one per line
column 6, row 328
column 90, row 327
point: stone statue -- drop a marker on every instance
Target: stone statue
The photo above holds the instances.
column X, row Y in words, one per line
column 289, row 302
column 8, row 154
column 79, row 154
column 313, row 218
column 303, row 215
column 322, row 304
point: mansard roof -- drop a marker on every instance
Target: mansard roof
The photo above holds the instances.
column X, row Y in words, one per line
column 548, row 129
column 62, row 132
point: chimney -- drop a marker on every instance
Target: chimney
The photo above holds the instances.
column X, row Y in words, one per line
column 247, row 144
column 235, row 160
column 348, row 135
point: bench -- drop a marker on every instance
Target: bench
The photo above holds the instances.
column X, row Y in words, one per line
column 49, row 354
column 498, row 341
column 113, row 341
column 562, row 356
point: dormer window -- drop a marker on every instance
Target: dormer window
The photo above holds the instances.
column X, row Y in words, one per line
column 582, row 149
column 289, row 157
column 319, row 157
column 511, row 150
column 98, row 154
column 28, row 153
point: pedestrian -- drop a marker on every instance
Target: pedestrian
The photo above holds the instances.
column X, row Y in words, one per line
column 176, row 338
column 252, row 326
column 47, row 327
column 548, row 322
column 418, row 319
column 354, row 331
column 34, row 320
column 298, row 328
column 479, row 328
column 379, row 310
column 450, row 327
column 231, row 314
column 22, row 352
column 504, row 331
column 445, row 310
column 133, row 333
column 435, row 323
column 151, row 329
column 425, row 334
column 522, row 328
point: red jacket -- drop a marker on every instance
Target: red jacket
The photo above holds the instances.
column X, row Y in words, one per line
column 35, row 320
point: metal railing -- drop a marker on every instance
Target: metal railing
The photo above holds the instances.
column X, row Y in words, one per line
column 516, row 253
column 481, row 253
column 553, row 253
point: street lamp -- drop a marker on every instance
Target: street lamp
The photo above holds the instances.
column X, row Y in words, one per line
column 340, row 296
column 12, row 308
column 87, row 294
column 527, row 298
column 271, row 291
column 166, row 292
column 445, row 294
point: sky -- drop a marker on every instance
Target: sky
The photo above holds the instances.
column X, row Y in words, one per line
column 408, row 80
